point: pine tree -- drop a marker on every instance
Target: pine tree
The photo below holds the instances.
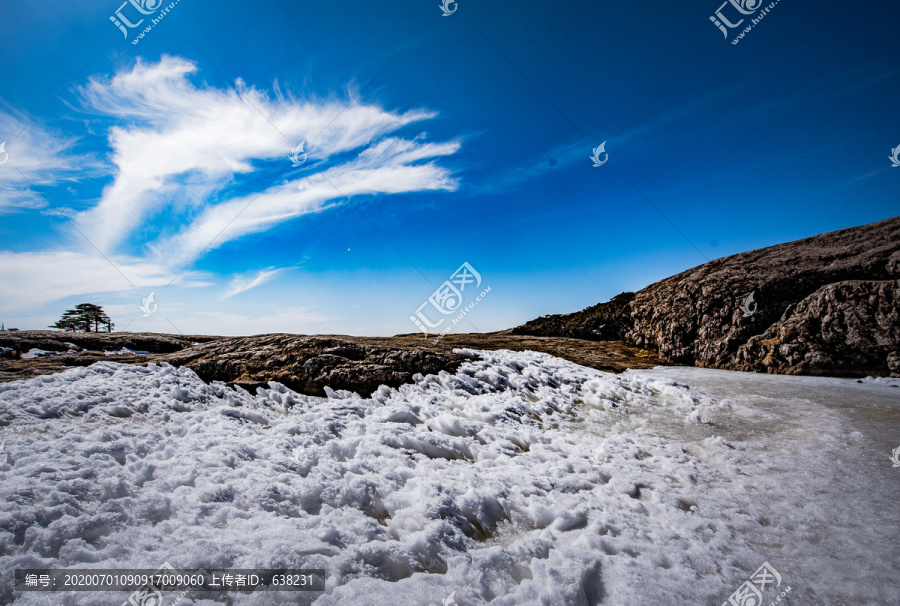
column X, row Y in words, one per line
column 86, row 317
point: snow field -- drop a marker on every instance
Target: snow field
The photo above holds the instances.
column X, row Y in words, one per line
column 520, row 479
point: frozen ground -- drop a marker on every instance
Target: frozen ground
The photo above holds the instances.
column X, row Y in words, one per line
column 123, row 351
column 522, row 479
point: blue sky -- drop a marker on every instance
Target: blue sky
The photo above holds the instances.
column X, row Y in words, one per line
column 429, row 141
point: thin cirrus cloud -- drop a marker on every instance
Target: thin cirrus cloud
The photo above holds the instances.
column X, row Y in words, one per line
column 37, row 157
column 49, row 275
column 241, row 284
column 170, row 131
column 383, row 168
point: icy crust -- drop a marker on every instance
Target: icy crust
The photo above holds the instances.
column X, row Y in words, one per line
column 124, row 351
column 887, row 381
column 35, row 353
column 512, row 482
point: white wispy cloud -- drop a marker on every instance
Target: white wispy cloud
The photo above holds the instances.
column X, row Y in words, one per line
column 241, row 284
column 39, row 277
column 381, row 169
column 37, row 157
column 169, row 129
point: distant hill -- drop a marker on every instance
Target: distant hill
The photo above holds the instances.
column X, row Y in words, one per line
column 825, row 305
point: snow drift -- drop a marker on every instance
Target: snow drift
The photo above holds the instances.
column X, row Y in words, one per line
column 520, row 479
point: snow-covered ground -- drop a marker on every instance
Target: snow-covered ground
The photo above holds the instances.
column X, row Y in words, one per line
column 521, row 479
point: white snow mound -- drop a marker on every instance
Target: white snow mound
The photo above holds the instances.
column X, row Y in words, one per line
column 519, row 479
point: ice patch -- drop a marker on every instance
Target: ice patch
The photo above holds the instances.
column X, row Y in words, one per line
column 887, row 381
column 34, row 353
column 124, row 351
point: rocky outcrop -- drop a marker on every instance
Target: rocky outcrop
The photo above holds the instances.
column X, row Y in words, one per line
column 48, row 340
column 836, row 330
column 309, row 364
column 304, row 363
column 705, row 316
column 608, row 321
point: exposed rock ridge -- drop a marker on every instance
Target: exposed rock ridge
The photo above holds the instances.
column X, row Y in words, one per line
column 829, row 300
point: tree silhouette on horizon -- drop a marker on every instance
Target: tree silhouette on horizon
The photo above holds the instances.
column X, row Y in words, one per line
column 83, row 318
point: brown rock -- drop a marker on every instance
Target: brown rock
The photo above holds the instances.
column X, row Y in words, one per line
column 309, row 364
column 695, row 317
column 846, row 328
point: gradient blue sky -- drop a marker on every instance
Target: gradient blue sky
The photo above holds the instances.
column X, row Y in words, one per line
column 459, row 138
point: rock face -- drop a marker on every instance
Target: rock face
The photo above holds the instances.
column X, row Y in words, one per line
column 822, row 305
column 837, row 330
column 608, row 321
column 309, row 364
